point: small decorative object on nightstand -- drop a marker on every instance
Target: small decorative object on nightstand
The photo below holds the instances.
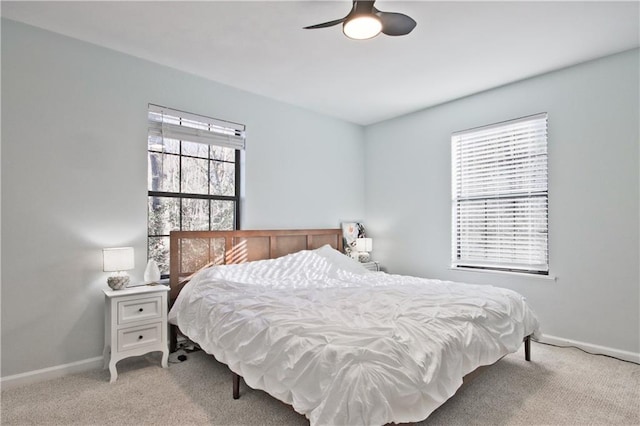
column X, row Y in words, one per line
column 152, row 273
column 350, row 232
column 135, row 324
column 117, row 260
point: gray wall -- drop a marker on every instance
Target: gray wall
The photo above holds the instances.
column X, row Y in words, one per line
column 74, row 175
column 593, row 195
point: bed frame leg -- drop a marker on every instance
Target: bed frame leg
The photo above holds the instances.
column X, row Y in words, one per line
column 236, row 385
column 173, row 338
column 527, row 348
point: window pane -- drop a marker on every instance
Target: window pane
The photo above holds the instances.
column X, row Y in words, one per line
column 194, row 254
column 223, row 153
column 195, row 176
column 163, row 215
column 163, row 172
column 159, row 144
column 217, row 250
column 195, row 214
column 223, row 178
column 222, row 215
column 195, row 149
column 158, row 250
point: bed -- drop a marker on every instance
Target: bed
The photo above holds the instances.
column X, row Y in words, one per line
column 291, row 315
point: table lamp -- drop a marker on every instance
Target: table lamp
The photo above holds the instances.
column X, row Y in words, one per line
column 363, row 247
column 118, row 260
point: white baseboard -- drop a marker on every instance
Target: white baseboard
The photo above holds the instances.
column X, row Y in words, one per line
column 589, row 347
column 49, row 373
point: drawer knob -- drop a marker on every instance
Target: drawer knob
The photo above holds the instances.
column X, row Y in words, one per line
column 140, row 337
column 140, row 310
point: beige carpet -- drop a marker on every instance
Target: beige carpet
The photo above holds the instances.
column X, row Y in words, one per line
column 560, row 386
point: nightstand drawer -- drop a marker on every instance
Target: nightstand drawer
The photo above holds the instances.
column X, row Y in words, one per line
column 139, row 309
column 134, row 337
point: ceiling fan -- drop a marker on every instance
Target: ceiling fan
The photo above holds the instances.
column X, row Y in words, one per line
column 365, row 21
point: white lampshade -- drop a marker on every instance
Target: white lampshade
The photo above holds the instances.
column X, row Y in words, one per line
column 364, row 244
column 117, row 259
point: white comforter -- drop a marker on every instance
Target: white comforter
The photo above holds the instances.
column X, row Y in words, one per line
column 345, row 346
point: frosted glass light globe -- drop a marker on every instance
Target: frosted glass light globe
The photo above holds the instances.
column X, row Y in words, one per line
column 362, row 27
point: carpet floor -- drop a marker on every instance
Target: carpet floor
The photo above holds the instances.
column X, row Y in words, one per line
column 562, row 386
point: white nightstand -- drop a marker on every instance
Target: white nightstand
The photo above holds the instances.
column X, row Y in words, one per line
column 135, row 324
column 372, row 266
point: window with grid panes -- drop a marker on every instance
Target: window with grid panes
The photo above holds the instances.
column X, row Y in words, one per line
column 500, row 196
column 193, row 176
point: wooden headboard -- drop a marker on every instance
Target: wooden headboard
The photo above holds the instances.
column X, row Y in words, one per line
column 192, row 250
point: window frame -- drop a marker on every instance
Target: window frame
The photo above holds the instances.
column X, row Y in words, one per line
column 180, row 196
column 463, row 247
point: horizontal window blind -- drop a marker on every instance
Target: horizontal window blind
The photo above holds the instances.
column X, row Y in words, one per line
column 500, row 196
column 179, row 125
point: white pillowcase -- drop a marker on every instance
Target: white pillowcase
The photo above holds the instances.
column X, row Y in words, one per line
column 340, row 260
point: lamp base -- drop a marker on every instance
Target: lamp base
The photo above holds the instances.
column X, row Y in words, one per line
column 118, row 282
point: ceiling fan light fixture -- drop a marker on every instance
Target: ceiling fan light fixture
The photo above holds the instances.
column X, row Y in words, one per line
column 362, row 27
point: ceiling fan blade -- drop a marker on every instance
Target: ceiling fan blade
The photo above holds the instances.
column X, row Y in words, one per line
column 325, row 24
column 396, row 24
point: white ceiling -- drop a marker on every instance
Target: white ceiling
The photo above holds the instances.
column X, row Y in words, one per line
column 457, row 49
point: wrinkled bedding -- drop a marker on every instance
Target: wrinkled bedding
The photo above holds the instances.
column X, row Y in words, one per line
column 346, row 346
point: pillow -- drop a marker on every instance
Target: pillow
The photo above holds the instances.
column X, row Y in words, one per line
column 340, row 260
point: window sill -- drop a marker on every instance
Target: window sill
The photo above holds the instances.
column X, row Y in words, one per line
column 514, row 274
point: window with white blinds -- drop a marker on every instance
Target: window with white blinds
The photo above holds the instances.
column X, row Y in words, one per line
column 193, row 176
column 500, row 196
